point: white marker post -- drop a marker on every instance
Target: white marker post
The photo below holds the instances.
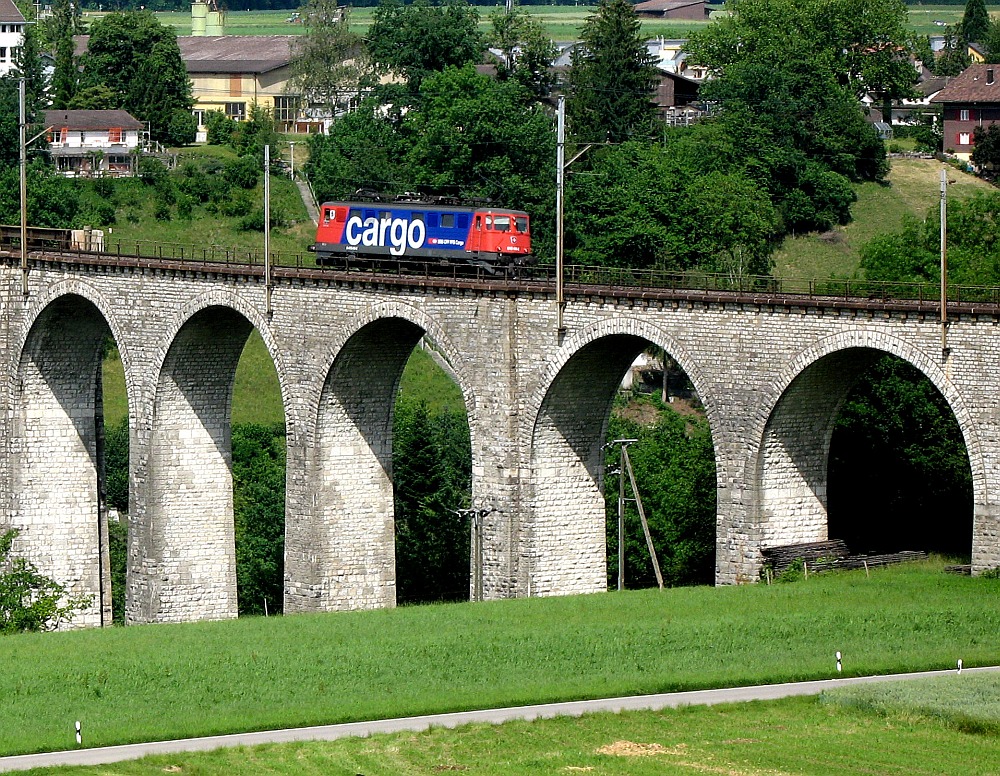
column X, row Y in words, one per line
column 79, row 735
column 839, row 664
column 960, row 665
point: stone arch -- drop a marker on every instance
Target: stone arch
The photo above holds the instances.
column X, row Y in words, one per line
column 794, row 424
column 352, row 547
column 56, row 431
column 182, row 563
column 563, row 533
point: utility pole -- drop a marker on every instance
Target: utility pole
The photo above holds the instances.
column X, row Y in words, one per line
column 944, row 264
column 626, row 465
column 22, row 129
column 267, row 232
column 560, row 191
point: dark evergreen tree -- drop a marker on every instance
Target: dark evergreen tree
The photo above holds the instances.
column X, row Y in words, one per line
column 28, row 64
column 61, row 28
column 975, row 22
column 612, row 78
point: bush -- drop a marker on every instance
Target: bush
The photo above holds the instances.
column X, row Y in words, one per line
column 185, row 206
column 254, row 221
column 151, row 170
column 183, row 128
column 30, row 601
column 220, row 127
column 161, row 210
column 238, row 205
column 242, row 173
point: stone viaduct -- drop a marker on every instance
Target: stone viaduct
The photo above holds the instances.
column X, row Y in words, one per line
column 771, row 372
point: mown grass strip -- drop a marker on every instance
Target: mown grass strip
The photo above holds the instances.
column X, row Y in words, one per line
column 175, row 681
column 796, row 735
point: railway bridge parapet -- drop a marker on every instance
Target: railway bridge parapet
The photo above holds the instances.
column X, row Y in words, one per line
column 771, row 371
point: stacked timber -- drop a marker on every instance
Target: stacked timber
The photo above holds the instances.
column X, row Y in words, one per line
column 829, row 555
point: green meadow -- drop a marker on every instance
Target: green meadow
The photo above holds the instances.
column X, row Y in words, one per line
column 173, row 681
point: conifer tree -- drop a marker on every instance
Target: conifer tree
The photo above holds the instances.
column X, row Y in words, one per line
column 975, row 21
column 612, row 77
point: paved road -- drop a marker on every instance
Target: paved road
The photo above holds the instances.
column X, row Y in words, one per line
column 113, row 754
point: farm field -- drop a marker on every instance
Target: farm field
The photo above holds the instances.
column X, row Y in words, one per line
column 797, row 735
column 173, row 681
column 562, row 23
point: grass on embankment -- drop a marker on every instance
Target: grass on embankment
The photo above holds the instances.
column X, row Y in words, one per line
column 796, row 735
column 914, row 186
column 172, row 681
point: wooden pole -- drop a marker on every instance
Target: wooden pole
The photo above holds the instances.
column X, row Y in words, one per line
column 642, row 516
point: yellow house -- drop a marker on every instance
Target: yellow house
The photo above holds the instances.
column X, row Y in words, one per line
column 230, row 73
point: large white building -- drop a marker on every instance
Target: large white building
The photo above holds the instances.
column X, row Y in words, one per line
column 11, row 34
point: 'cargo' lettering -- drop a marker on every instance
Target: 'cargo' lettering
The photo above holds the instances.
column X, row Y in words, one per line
column 397, row 234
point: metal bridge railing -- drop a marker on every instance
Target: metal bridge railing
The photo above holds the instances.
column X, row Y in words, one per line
column 611, row 278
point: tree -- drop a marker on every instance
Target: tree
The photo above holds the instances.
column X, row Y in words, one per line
column 954, row 55
column 59, row 30
column 431, row 466
column 330, row 65
column 418, row 39
column 138, row 59
column 975, row 24
column 674, row 464
column 482, row 137
column 612, row 77
column 30, row 601
column 526, row 52
column 98, row 97
column 986, row 150
column 259, row 516
column 28, row 64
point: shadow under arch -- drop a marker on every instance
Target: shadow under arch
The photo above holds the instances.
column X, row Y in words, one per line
column 562, row 538
column 182, row 560
column 56, row 445
column 352, row 544
column 789, row 468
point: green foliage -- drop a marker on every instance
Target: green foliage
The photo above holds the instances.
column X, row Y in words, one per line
column 97, row 97
column 256, row 132
column 219, row 127
column 118, row 560
column 913, row 253
column 52, row 199
column 431, row 465
column 674, row 464
column 259, row 512
column 30, row 601
column 116, row 465
column 975, row 21
column 612, row 78
column 137, row 58
column 60, row 29
column 899, row 471
column 183, row 128
column 954, row 55
column 421, row 38
column 526, row 52
column 986, row 153
column 330, row 66
column 243, row 173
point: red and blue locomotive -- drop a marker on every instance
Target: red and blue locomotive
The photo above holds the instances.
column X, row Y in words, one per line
column 421, row 231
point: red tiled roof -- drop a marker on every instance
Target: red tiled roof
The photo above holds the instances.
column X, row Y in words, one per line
column 978, row 83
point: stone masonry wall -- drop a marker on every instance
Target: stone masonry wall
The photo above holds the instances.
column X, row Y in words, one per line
column 771, row 377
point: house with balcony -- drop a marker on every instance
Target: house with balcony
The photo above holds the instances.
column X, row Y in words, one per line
column 11, row 34
column 94, row 143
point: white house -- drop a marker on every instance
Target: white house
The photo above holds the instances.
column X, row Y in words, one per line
column 11, row 34
column 93, row 142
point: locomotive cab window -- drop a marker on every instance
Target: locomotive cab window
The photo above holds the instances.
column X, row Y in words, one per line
column 501, row 223
column 448, row 220
column 327, row 215
column 521, row 224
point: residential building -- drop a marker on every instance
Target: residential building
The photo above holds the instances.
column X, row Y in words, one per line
column 672, row 9
column 970, row 100
column 11, row 34
column 94, row 143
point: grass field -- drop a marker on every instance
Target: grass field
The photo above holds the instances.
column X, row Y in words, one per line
column 913, row 188
column 169, row 681
column 562, row 23
column 797, row 735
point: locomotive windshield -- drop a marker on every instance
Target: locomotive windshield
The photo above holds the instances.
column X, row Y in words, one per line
column 501, row 223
